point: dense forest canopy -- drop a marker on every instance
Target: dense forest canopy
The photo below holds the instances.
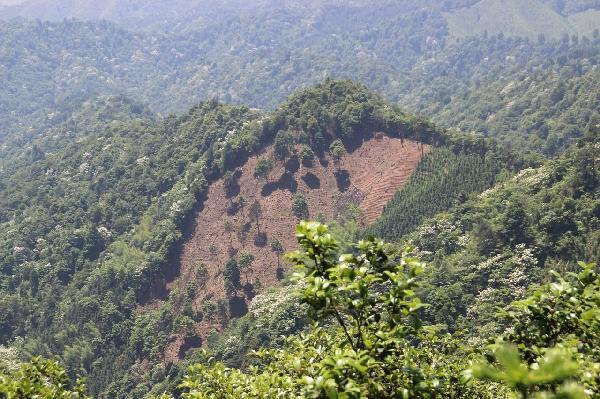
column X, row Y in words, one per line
column 403, row 49
column 119, row 118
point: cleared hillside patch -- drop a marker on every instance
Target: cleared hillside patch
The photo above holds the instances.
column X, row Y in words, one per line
column 367, row 176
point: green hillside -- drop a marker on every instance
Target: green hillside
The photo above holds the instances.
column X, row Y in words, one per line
column 525, row 18
column 155, row 157
column 46, row 76
column 367, row 306
column 120, row 185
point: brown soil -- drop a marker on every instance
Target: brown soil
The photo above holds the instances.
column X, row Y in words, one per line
column 369, row 176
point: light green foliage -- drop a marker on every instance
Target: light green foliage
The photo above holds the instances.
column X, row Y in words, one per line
column 552, row 369
column 553, row 340
column 264, row 165
column 372, row 316
column 337, row 151
column 42, row 379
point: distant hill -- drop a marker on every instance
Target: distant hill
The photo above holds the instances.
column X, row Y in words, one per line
column 170, row 15
column 526, row 18
column 259, row 60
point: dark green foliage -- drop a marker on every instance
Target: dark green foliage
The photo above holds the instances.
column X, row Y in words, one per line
column 300, row 207
column 283, row 145
column 442, row 180
column 231, row 276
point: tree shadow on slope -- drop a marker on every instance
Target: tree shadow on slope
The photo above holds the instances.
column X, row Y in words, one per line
column 312, row 181
column 237, row 307
column 285, row 182
column 233, row 190
column 189, row 343
column 355, row 142
column 342, row 178
column 292, row 165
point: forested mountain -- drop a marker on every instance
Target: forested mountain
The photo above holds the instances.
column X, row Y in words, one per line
column 402, row 49
column 155, row 157
column 105, row 201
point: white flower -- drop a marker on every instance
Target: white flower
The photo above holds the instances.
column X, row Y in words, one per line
column 175, row 207
column 104, row 232
column 84, row 167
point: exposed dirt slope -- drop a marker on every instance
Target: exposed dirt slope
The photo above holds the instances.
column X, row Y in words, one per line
column 368, row 176
column 379, row 168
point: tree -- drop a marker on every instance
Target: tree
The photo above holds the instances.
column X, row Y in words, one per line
column 277, row 247
column 307, row 156
column 300, row 207
column 209, row 310
column 283, row 145
column 337, row 151
column 242, row 233
column 231, row 276
column 242, row 204
column 255, row 213
column 314, row 130
column 228, row 182
column 229, row 229
column 263, row 168
column 245, row 262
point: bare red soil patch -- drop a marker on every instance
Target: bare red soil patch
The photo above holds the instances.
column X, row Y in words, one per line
column 369, row 176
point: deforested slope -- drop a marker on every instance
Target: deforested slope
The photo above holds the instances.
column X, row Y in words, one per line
column 260, row 211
